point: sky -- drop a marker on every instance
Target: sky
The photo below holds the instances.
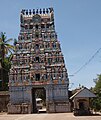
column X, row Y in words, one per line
column 78, row 26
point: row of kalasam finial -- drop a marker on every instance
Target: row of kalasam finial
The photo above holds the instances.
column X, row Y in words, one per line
column 36, row 11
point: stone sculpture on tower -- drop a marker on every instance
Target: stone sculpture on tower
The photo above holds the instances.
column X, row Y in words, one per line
column 37, row 63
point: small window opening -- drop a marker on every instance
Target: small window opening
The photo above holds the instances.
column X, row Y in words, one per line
column 36, row 26
column 31, row 27
column 47, row 25
column 37, row 77
column 20, row 46
column 37, row 59
column 42, row 26
column 26, row 26
column 37, row 36
column 54, row 45
column 37, row 46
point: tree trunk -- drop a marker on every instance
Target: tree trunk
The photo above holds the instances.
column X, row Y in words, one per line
column 2, row 65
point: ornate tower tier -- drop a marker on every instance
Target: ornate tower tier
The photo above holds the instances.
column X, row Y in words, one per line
column 38, row 62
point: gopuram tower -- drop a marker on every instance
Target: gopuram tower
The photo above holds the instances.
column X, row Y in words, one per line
column 38, row 63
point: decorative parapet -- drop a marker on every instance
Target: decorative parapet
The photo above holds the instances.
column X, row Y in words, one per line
column 37, row 11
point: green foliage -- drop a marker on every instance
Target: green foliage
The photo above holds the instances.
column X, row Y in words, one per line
column 5, row 50
column 7, row 63
column 5, row 69
column 96, row 104
column 5, row 47
column 98, row 84
column 97, row 90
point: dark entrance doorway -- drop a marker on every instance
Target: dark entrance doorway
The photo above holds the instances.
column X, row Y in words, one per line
column 38, row 93
column 81, row 105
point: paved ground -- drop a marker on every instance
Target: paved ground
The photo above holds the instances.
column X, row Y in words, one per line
column 45, row 116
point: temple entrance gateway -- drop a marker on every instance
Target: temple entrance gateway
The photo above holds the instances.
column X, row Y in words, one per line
column 38, row 99
column 38, row 63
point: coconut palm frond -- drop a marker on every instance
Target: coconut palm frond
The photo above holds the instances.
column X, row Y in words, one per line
column 9, row 40
column 5, row 46
column 9, row 46
column 10, row 57
column 3, row 37
column 1, row 43
column 9, row 50
column 5, row 50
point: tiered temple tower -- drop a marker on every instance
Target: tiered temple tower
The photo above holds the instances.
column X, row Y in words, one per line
column 38, row 62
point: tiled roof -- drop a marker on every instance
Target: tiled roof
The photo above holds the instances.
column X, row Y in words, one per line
column 83, row 92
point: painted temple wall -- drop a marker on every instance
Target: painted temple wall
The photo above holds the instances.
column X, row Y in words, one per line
column 38, row 62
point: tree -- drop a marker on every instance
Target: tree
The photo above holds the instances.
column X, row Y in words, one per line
column 5, row 48
column 97, row 90
column 6, row 68
column 97, row 81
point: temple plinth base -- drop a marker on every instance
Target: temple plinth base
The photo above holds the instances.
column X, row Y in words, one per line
column 58, row 106
column 19, row 109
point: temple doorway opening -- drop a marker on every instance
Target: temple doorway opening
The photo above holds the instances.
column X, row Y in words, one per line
column 38, row 100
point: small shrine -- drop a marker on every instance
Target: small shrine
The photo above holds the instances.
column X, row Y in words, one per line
column 38, row 63
column 81, row 101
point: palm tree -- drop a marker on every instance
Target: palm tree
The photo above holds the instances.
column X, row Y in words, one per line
column 5, row 48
